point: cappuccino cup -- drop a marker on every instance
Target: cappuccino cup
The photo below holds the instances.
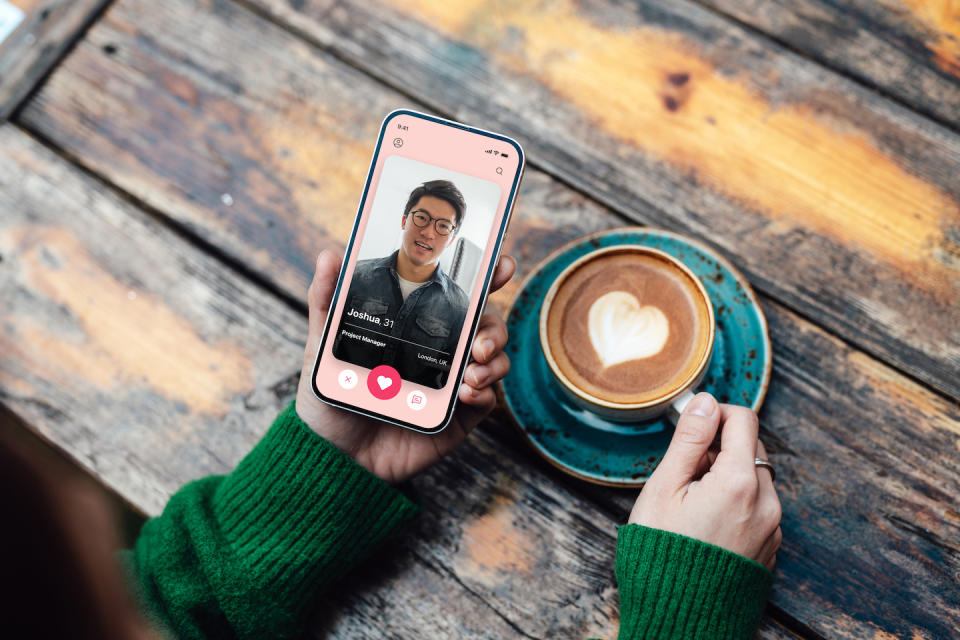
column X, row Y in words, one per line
column 628, row 332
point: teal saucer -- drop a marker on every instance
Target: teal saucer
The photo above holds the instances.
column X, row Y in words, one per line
column 616, row 454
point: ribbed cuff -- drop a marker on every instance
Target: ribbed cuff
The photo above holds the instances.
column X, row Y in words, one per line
column 300, row 512
column 672, row 586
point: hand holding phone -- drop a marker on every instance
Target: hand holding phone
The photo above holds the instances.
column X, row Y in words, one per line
column 420, row 260
column 396, row 454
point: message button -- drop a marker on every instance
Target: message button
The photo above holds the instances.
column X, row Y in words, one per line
column 416, row 400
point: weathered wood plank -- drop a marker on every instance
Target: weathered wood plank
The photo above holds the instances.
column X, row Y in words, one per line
column 909, row 49
column 191, row 95
column 488, row 554
column 48, row 29
column 868, row 474
column 261, row 151
column 151, row 364
column 834, row 200
column 110, row 331
column 130, row 358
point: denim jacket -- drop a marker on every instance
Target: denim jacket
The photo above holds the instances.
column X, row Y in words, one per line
column 431, row 317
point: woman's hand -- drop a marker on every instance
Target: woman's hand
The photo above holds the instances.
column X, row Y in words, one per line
column 717, row 497
column 391, row 452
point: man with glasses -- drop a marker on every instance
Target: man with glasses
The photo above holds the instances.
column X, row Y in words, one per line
column 411, row 309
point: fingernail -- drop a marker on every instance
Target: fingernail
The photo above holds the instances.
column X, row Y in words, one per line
column 702, row 405
column 479, row 375
column 487, row 346
column 319, row 258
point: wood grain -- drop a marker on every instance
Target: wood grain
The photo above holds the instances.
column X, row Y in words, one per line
column 48, row 29
column 146, row 444
column 489, row 559
column 868, row 469
column 834, row 200
column 489, row 501
column 76, row 372
column 909, row 49
column 240, row 132
column 125, row 356
column 84, row 370
column 175, row 110
column 867, row 472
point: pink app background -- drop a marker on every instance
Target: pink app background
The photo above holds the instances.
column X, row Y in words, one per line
column 456, row 150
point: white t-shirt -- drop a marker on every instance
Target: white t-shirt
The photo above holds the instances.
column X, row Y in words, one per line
column 407, row 287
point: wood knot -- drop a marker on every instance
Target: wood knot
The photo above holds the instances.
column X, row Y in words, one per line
column 676, row 90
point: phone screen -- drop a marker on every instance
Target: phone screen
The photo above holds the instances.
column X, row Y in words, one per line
column 420, row 259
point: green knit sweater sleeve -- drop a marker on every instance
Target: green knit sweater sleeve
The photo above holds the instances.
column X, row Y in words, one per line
column 672, row 586
column 244, row 555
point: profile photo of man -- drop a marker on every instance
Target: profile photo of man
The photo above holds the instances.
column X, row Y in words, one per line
column 413, row 310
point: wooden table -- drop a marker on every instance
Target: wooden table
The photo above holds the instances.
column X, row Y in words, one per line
column 166, row 188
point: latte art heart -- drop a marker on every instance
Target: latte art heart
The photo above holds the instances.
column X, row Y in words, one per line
column 622, row 330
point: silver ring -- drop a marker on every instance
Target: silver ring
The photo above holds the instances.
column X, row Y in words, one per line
column 766, row 463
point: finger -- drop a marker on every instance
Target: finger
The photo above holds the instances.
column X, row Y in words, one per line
column 479, row 375
column 478, row 404
column 761, row 450
column 695, row 431
column 738, row 436
column 771, row 562
column 770, row 546
column 491, row 337
column 767, row 498
column 322, row 287
column 504, row 271
column 706, row 461
column 481, row 400
column 762, row 454
column 318, row 300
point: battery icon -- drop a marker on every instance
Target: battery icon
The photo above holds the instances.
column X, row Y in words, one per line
column 504, row 155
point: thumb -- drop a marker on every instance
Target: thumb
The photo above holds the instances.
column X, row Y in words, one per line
column 321, row 292
column 695, row 431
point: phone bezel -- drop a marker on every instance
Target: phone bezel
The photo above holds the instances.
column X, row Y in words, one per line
column 486, row 282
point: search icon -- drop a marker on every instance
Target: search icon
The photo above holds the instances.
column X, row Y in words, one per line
column 499, row 171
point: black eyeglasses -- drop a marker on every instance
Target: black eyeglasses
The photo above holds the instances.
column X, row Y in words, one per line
column 443, row 226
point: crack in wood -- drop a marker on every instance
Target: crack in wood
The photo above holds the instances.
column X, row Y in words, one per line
column 445, row 571
column 921, row 532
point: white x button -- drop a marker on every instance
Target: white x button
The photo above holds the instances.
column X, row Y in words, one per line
column 348, row 378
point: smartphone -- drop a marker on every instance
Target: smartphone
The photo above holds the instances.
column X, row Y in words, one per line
column 417, row 268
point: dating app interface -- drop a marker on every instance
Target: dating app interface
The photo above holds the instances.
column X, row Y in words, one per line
column 433, row 209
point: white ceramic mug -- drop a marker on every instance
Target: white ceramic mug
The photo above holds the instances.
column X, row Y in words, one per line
column 671, row 402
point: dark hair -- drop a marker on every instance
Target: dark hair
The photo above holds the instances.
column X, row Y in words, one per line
column 46, row 583
column 443, row 189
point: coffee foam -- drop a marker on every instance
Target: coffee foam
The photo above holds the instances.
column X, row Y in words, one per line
column 628, row 327
column 621, row 330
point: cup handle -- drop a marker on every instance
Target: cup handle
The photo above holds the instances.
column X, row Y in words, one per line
column 679, row 404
